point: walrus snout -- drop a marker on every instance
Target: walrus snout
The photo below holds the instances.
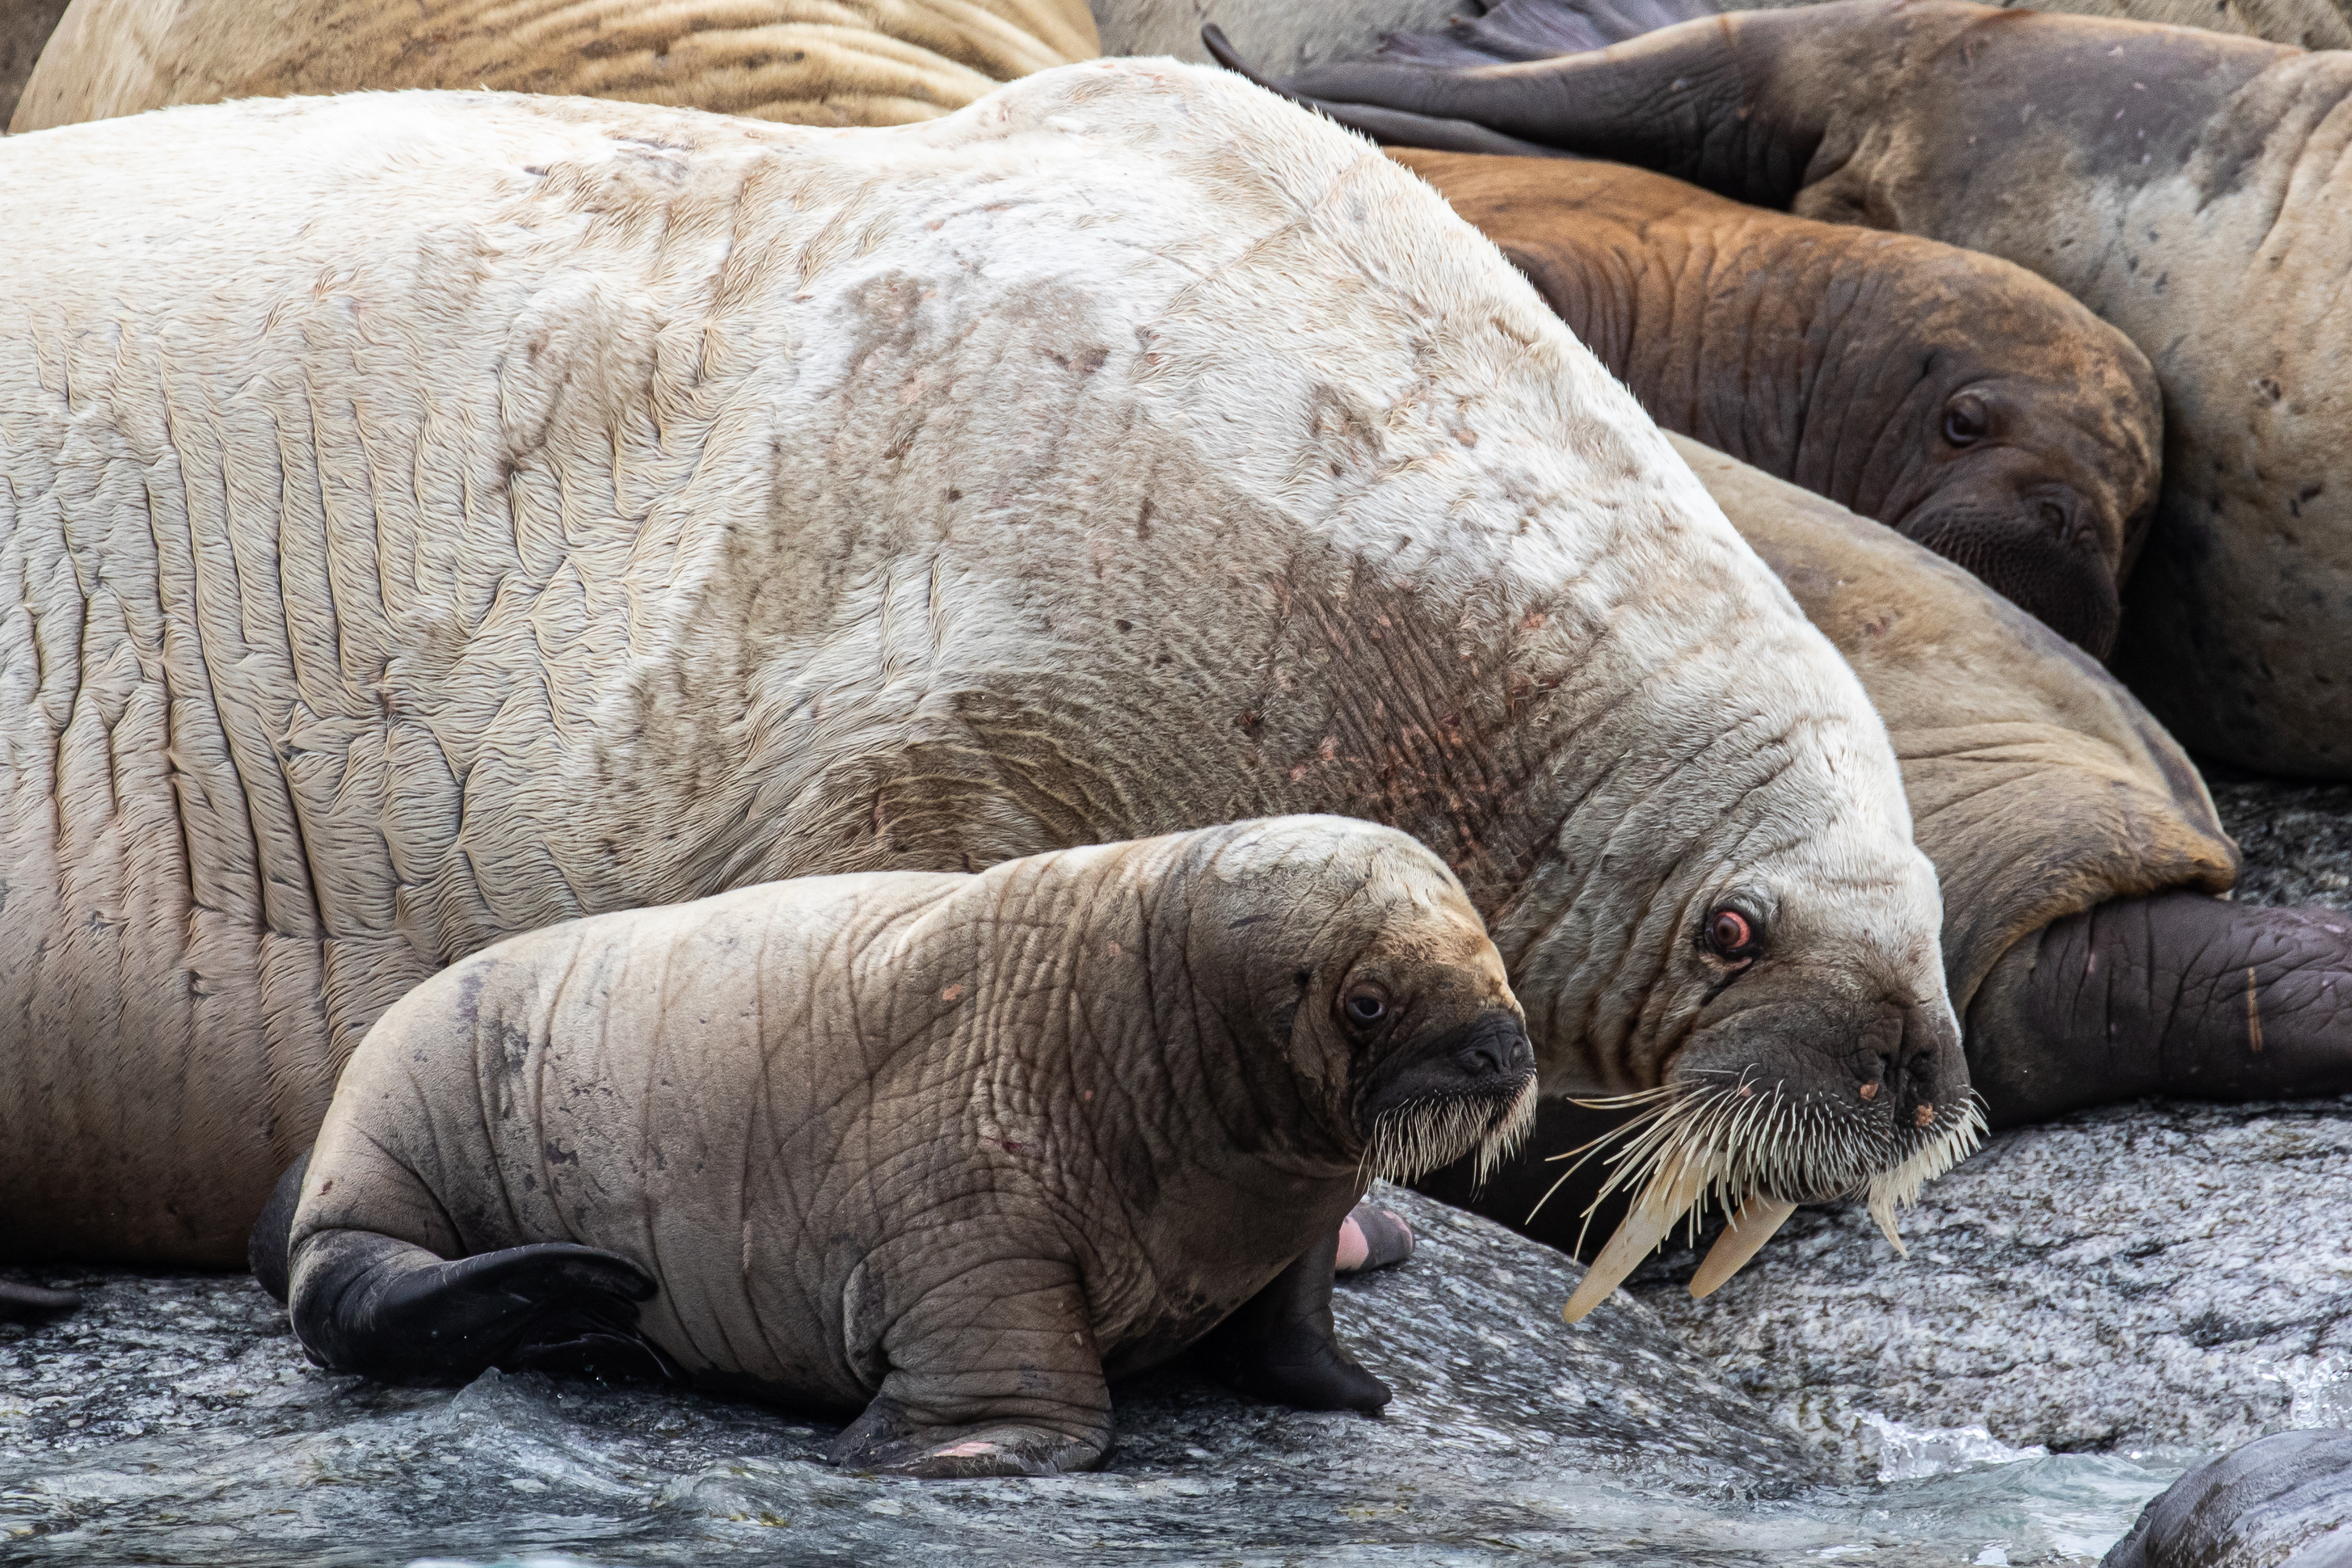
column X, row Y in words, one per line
column 2041, row 551
column 1433, row 1101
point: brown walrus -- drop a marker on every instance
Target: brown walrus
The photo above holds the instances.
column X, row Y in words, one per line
column 808, row 62
column 2185, row 185
column 1961, row 400
column 445, row 515
column 2078, row 854
column 955, row 1149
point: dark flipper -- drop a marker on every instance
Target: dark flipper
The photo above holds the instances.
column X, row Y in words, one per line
column 265, row 1249
column 2179, row 996
column 1519, row 30
column 20, row 1302
column 1283, row 1346
column 1708, row 100
column 374, row 1305
column 2279, row 1501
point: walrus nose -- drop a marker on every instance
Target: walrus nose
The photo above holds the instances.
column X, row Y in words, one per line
column 1498, row 1045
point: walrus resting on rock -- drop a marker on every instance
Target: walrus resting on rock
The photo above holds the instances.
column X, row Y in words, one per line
column 955, row 1149
column 1959, row 399
column 2185, row 185
column 811, row 62
column 440, row 516
column 2077, row 851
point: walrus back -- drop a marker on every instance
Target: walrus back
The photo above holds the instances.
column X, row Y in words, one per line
column 811, row 62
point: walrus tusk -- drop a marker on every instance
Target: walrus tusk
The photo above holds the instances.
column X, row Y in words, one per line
column 1750, row 1228
column 1662, row 1202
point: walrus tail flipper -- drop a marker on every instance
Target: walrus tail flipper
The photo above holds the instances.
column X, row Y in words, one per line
column 1281, row 1345
column 1519, row 30
column 265, row 1249
column 1712, row 100
column 2178, row 994
column 384, row 1308
column 18, row 1302
column 994, row 1373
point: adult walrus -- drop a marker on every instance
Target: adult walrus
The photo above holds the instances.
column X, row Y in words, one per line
column 2078, row 854
column 436, row 516
column 2186, row 186
column 809, row 62
column 954, row 1148
column 1961, row 400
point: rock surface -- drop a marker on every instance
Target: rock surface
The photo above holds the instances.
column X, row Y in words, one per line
column 2131, row 1279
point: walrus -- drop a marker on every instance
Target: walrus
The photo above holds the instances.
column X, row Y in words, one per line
column 1961, row 400
column 2280, row 1502
column 2182, row 183
column 807, row 62
column 955, row 1149
column 24, row 27
column 558, row 507
column 2081, row 861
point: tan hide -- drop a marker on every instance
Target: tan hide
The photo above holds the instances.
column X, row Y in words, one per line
column 2038, row 785
column 806, row 62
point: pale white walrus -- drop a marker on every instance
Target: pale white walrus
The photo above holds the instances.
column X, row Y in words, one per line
column 432, row 517
column 809, row 62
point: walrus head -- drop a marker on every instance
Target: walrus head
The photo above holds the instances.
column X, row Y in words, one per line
column 1365, row 960
column 2025, row 446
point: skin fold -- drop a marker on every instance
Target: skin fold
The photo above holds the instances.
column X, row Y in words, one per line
column 806, row 62
column 953, row 1150
column 2187, row 185
column 2279, row 1501
column 2078, row 853
column 1958, row 399
column 648, row 504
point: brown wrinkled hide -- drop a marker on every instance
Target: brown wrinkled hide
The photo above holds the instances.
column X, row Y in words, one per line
column 2037, row 786
column 1832, row 357
column 957, row 1141
column 808, row 62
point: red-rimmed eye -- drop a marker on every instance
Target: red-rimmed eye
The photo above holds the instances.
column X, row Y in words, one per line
column 1366, row 1009
column 1730, row 934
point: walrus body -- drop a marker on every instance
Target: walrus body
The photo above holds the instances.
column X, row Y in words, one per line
column 25, row 28
column 2280, row 1502
column 807, row 62
column 2185, row 185
column 558, row 507
column 955, row 1149
column 2078, row 853
column 1961, row 400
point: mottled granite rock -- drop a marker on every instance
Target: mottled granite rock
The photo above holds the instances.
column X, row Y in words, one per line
column 2134, row 1278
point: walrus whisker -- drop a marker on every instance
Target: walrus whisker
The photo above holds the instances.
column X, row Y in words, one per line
column 1414, row 1140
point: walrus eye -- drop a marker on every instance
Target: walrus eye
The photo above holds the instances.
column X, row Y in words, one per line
column 1965, row 423
column 1366, row 1009
column 1731, row 935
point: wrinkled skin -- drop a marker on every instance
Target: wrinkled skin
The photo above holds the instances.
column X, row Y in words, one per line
column 806, row 62
column 2280, row 1502
column 2155, row 174
column 1959, row 400
column 957, row 1150
column 700, row 513
column 2077, row 850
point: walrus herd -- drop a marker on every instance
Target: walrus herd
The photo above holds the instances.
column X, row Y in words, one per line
column 484, row 577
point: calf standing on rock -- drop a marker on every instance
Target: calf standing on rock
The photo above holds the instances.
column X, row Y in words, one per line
column 957, row 1149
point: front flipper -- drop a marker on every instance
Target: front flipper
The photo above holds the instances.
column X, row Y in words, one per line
column 2180, row 994
column 366, row 1303
column 994, row 1373
column 1281, row 1345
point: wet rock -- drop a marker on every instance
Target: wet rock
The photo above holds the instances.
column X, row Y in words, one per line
column 2283, row 1502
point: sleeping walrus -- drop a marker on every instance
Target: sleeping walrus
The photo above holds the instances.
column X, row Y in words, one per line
column 558, row 507
column 1961, row 400
column 809, row 62
column 955, row 1149
column 2185, row 185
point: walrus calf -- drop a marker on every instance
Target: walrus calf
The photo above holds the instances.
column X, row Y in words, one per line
column 2187, row 185
column 1959, row 399
column 810, row 62
column 955, row 1149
